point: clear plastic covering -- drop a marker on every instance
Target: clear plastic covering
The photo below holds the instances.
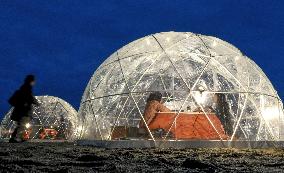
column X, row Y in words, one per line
column 52, row 119
column 203, row 80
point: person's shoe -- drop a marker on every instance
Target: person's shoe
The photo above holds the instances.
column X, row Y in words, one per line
column 13, row 140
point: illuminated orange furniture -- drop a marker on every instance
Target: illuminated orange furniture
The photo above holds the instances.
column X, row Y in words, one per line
column 26, row 134
column 189, row 125
column 51, row 133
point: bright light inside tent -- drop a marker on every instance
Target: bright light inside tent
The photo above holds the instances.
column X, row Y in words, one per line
column 270, row 113
column 200, row 97
column 28, row 125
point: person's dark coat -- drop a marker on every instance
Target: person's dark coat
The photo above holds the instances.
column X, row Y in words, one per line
column 22, row 101
column 223, row 113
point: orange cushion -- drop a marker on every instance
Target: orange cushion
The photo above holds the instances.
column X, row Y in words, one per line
column 189, row 125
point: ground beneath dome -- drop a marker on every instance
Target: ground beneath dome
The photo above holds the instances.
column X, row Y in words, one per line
column 66, row 157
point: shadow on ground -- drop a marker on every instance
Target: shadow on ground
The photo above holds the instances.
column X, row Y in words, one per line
column 66, row 157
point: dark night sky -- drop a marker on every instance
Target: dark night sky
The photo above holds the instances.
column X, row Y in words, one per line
column 63, row 42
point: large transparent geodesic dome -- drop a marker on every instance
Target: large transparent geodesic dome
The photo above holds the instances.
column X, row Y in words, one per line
column 189, row 70
column 53, row 115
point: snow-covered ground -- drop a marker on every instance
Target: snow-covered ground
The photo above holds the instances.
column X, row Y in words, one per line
column 66, row 157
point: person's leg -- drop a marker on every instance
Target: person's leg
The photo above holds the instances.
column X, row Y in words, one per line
column 22, row 126
column 14, row 134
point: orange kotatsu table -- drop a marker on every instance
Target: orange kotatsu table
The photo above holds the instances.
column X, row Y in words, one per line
column 189, row 125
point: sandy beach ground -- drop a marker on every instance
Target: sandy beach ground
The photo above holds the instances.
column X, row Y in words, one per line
column 67, row 157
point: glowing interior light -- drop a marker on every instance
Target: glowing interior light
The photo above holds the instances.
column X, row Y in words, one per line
column 200, row 97
column 237, row 58
column 270, row 113
column 168, row 39
column 28, row 125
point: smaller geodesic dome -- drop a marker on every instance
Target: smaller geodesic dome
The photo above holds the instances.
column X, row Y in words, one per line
column 54, row 118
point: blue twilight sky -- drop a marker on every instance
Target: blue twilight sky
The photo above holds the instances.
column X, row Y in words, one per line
column 63, row 41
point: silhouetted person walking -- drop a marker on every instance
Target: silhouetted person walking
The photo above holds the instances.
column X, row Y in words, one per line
column 22, row 101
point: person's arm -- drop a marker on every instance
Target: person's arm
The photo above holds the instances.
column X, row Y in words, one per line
column 150, row 120
column 162, row 108
column 35, row 101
